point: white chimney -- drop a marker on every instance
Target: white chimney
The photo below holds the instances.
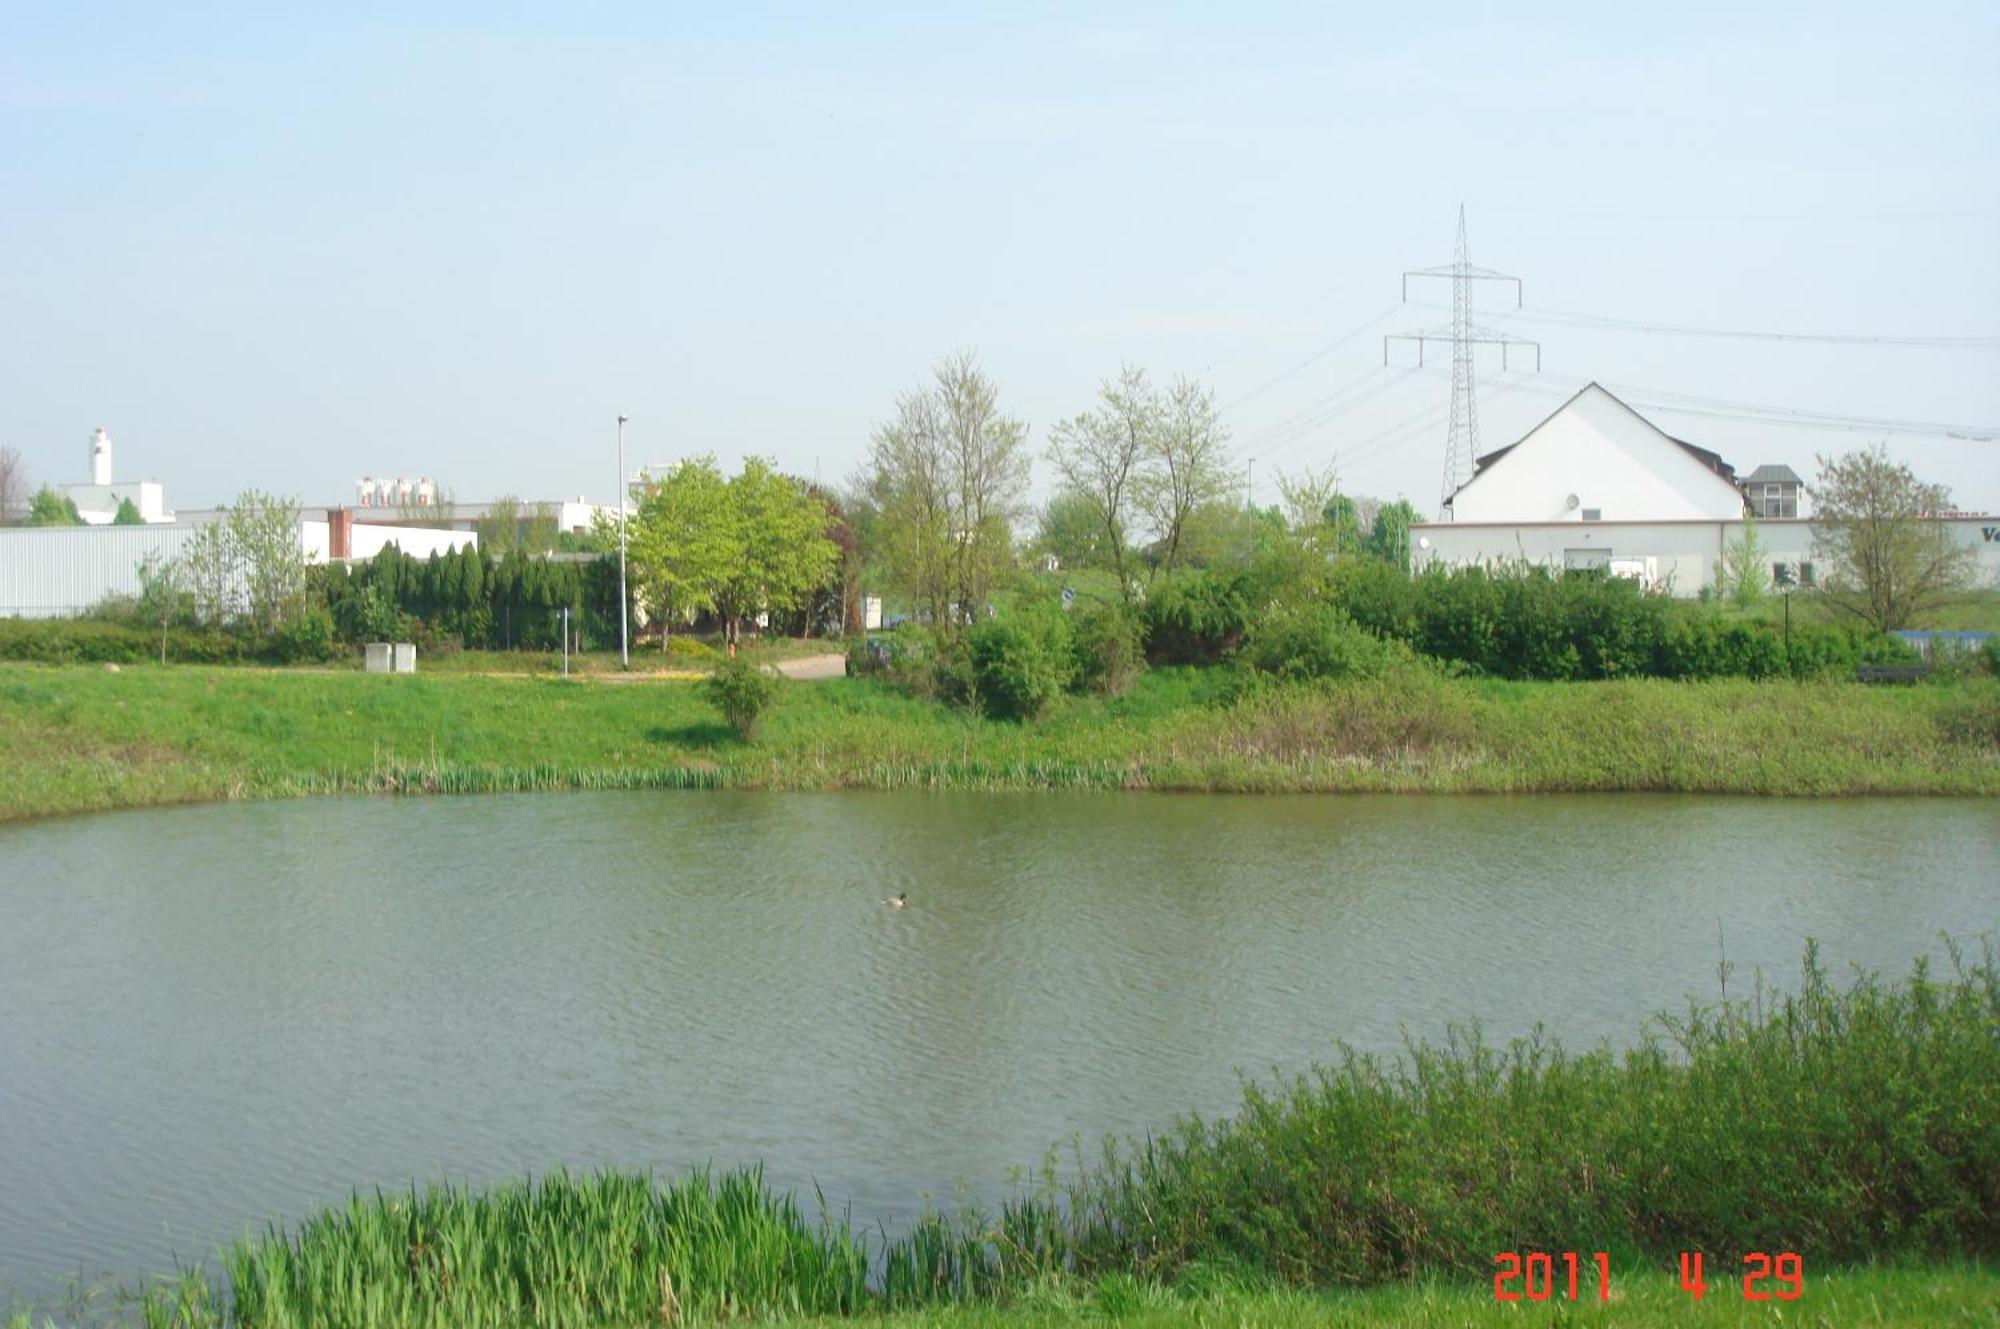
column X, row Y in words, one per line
column 100, row 457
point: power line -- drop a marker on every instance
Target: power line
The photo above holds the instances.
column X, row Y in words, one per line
column 1570, row 318
column 1280, row 436
column 1682, row 403
column 1309, row 361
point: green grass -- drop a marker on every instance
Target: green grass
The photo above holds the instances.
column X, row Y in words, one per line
column 81, row 738
column 1943, row 1296
column 1857, row 1126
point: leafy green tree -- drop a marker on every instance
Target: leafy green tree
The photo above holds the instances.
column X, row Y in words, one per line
column 1389, row 537
column 1886, row 561
column 1740, row 575
column 778, row 550
column 48, row 508
column 681, row 540
column 127, row 514
column 1072, row 528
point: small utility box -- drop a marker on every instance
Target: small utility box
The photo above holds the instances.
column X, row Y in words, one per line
column 404, row 657
column 377, row 655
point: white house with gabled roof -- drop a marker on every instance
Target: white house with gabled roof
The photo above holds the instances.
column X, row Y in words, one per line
column 1598, row 486
column 1597, row 459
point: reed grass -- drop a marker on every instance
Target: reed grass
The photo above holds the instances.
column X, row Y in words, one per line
column 1852, row 1124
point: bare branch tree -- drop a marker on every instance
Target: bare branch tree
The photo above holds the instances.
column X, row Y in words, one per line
column 1189, row 465
column 1101, row 456
column 949, row 476
column 13, row 486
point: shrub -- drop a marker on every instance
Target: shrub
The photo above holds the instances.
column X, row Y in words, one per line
column 1379, row 596
column 309, row 638
column 1020, row 663
column 1318, row 641
column 93, row 641
column 691, row 648
column 1197, row 618
column 741, row 691
column 1110, row 648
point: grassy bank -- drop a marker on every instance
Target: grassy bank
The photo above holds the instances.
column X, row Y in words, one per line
column 78, row 738
column 1849, row 1124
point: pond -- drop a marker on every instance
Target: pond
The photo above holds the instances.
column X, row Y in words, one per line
column 214, row 1017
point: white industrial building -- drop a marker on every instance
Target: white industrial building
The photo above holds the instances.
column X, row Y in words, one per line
column 64, row 571
column 1597, row 485
column 98, row 499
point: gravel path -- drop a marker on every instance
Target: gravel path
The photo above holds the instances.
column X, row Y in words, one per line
column 814, row 667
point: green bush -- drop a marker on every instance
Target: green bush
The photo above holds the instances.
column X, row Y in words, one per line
column 1020, row 663
column 691, row 648
column 1319, row 642
column 741, row 691
column 94, row 641
column 1379, row 596
column 309, row 638
column 1109, row 641
column 1196, row 618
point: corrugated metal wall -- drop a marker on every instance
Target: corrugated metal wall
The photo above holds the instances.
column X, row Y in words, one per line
column 62, row 571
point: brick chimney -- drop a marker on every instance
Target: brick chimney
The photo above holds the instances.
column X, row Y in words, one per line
column 339, row 533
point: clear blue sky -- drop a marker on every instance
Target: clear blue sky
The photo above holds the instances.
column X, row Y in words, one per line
column 286, row 249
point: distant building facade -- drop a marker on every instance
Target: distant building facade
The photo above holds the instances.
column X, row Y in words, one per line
column 98, row 499
column 66, row 571
column 1598, row 486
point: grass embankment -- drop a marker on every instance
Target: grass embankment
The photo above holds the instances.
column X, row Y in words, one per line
column 1847, row 1125
column 79, row 738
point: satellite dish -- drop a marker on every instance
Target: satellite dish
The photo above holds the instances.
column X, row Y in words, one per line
column 1423, row 542
column 1571, row 502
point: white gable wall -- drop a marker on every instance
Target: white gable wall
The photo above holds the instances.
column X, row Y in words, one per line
column 1600, row 450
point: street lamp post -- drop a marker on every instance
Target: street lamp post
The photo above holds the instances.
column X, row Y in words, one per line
column 624, row 609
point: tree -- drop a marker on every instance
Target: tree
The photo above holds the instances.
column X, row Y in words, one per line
column 263, row 532
column 48, row 508
column 500, row 529
column 1740, row 573
column 1072, row 528
column 1307, row 496
column 212, row 576
column 1389, row 536
column 1188, row 466
column 948, row 477
column 777, row 547
column 13, row 486
column 1885, row 559
column 1101, row 456
column 161, row 599
column 679, row 541
column 127, row 514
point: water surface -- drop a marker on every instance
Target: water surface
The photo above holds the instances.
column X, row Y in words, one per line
column 214, row 1016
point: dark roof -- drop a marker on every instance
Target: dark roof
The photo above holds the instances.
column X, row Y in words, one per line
column 1768, row 474
column 1712, row 461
